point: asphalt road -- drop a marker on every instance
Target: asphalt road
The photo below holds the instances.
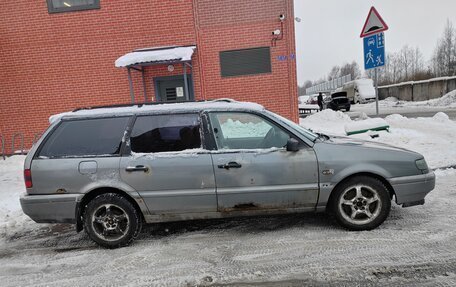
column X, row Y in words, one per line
column 416, row 246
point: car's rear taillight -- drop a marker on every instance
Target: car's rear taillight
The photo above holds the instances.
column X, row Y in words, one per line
column 28, row 178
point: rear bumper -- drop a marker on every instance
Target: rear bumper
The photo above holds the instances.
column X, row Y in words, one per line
column 411, row 190
column 59, row 208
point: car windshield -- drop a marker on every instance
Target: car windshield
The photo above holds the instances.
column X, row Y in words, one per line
column 307, row 133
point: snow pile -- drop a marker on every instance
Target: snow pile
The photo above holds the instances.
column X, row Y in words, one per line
column 327, row 121
column 11, row 186
column 435, row 137
column 441, row 117
column 391, row 99
column 237, row 129
column 448, row 100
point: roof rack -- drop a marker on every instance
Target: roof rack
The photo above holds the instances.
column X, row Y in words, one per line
column 127, row 105
column 227, row 100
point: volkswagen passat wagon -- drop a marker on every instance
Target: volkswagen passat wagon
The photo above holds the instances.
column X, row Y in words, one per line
column 109, row 170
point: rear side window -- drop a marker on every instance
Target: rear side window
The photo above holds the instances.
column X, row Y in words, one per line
column 165, row 133
column 85, row 138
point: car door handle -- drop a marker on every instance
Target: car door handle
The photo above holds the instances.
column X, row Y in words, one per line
column 137, row 168
column 229, row 165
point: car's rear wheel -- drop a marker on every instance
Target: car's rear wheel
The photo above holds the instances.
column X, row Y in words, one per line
column 361, row 203
column 347, row 109
column 111, row 220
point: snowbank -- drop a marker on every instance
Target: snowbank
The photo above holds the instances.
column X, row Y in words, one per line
column 11, row 186
column 327, row 121
column 448, row 100
column 434, row 137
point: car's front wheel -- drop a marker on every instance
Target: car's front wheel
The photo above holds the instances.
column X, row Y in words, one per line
column 111, row 220
column 361, row 203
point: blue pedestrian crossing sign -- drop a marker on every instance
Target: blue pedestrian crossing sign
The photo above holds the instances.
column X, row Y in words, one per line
column 374, row 51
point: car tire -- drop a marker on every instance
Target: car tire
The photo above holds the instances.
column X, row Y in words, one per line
column 347, row 109
column 111, row 220
column 361, row 203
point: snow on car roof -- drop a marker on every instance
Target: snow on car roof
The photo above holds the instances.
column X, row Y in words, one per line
column 219, row 104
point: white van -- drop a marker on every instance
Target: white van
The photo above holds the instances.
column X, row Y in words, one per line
column 359, row 91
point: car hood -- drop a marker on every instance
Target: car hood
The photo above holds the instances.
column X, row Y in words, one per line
column 347, row 141
column 348, row 155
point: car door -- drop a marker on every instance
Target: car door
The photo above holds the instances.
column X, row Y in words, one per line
column 167, row 166
column 253, row 169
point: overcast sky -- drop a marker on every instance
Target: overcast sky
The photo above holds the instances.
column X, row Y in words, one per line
column 329, row 32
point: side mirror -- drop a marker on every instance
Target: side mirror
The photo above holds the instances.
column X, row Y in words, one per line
column 292, row 145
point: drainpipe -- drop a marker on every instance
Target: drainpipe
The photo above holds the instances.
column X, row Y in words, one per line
column 186, row 95
column 130, row 82
column 144, row 84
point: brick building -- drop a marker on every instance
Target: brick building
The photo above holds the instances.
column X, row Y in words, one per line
column 57, row 55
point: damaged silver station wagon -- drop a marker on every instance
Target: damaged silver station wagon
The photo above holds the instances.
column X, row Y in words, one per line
column 110, row 169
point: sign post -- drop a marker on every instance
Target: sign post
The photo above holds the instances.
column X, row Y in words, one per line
column 374, row 46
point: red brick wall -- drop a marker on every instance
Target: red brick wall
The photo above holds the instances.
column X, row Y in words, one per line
column 56, row 62
column 235, row 24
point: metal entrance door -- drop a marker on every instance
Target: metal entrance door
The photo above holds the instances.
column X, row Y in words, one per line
column 172, row 89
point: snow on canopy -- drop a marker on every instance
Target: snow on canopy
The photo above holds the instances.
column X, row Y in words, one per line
column 151, row 55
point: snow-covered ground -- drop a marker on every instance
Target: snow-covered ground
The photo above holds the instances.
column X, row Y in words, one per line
column 415, row 246
column 12, row 185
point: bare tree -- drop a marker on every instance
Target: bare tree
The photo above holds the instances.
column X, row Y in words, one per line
column 417, row 67
column 444, row 59
column 405, row 59
column 391, row 72
column 351, row 69
column 405, row 65
column 334, row 73
column 302, row 89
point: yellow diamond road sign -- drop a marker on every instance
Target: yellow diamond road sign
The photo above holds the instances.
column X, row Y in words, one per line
column 374, row 24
